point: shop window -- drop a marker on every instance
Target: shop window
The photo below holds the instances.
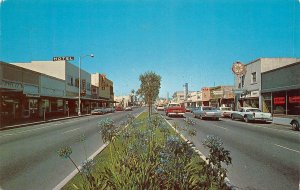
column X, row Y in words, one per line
column 253, row 77
column 88, row 86
column 70, row 80
column 46, row 105
column 60, row 105
column 77, row 82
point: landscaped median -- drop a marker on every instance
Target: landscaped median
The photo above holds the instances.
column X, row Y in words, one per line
column 147, row 153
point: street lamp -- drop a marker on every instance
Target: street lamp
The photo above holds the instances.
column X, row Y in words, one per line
column 79, row 82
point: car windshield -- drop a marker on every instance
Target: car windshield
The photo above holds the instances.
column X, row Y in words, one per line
column 253, row 110
column 225, row 109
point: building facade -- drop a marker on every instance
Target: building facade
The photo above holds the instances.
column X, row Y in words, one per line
column 249, row 85
column 42, row 89
column 280, row 90
column 105, row 89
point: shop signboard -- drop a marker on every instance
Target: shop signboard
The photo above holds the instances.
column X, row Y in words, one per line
column 279, row 100
column 11, row 85
column 294, row 99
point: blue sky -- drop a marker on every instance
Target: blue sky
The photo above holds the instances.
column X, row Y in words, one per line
column 183, row 41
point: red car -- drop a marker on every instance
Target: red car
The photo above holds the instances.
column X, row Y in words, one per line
column 119, row 108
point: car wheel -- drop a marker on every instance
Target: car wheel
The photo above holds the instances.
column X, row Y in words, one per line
column 232, row 117
column 194, row 115
column 246, row 119
column 295, row 125
column 201, row 117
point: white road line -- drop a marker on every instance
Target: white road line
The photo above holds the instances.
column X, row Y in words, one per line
column 71, row 130
column 287, row 148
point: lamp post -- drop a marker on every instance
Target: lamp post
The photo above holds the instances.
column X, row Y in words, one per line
column 79, row 82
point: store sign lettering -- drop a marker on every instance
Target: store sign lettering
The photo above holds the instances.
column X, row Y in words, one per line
column 13, row 85
column 279, row 100
column 294, row 99
column 64, row 58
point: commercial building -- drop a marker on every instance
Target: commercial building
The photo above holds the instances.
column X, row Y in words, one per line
column 41, row 89
column 280, row 90
column 217, row 96
column 178, row 97
column 28, row 94
column 249, row 86
column 105, row 90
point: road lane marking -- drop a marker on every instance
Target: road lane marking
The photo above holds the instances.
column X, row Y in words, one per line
column 287, row 148
column 71, row 130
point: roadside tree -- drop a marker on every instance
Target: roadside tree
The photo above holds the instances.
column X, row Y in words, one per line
column 149, row 88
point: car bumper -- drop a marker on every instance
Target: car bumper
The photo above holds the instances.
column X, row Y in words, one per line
column 173, row 113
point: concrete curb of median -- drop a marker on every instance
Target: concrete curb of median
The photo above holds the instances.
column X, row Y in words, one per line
column 227, row 181
column 73, row 173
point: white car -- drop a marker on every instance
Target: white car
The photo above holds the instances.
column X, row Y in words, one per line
column 160, row 108
column 225, row 111
column 249, row 114
column 128, row 108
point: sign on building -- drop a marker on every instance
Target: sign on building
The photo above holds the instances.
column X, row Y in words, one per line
column 63, row 58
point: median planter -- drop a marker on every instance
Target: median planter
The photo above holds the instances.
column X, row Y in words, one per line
column 147, row 154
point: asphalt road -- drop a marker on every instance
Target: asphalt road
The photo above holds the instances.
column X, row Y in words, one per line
column 29, row 157
column 265, row 156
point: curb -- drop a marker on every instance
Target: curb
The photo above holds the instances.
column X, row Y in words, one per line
column 39, row 122
column 227, row 181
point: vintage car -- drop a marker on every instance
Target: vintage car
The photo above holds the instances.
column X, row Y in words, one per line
column 204, row 112
column 295, row 123
column 225, row 111
column 97, row 111
column 119, row 108
column 160, row 108
column 175, row 109
column 128, row 108
column 249, row 114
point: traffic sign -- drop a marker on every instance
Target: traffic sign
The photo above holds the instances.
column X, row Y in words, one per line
column 64, row 58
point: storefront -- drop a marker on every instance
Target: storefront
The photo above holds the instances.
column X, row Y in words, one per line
column 281, row 90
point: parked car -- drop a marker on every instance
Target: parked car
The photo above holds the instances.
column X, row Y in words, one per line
column 193, row 109
column 128, row 108
column 225, row 111
column 119, row 108
column 249, row 114
column 207, row 112
column 175, row 109
column 295, row 123
column 188, row 109
column 97, row 111
column 160, row 108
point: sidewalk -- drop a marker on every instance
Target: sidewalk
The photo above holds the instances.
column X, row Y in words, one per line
column 28, row 122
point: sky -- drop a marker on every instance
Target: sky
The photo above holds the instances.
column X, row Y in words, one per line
column 184, row 41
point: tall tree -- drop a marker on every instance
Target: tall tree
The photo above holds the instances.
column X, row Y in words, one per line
column 149, row 88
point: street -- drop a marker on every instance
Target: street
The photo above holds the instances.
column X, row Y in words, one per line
column 29, row 158
column 264, row 156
